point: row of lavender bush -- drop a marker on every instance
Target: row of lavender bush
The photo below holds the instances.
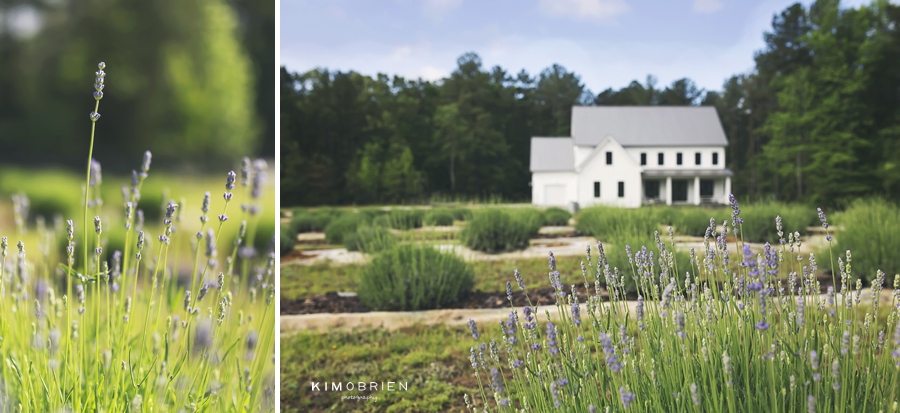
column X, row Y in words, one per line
column 764, row 339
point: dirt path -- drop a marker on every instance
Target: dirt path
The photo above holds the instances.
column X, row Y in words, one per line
column 398, row 320
column 561, row 247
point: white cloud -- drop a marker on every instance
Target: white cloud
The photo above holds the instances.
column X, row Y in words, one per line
column 433, row 73
column 707, row 6
column 402, row 52
column 597, row 10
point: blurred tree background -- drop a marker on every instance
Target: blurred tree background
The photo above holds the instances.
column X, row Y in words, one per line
column 191, row 81
column 817, row 120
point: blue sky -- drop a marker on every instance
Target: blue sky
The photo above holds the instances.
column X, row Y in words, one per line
column 607, row 42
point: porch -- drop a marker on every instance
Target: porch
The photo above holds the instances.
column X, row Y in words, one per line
column 685, row 187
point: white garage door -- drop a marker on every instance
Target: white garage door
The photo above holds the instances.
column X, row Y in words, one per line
column 555, row 194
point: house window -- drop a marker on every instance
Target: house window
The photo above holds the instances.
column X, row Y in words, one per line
column 678, row 158
column 660, row 158
column 706, row 188
column 697, row 158
column 596, row 189
column 621, row 189
column 643, row 158
column 609, row 158
column 715, row 158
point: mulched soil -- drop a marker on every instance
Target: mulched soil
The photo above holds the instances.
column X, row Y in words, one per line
column 333, row 303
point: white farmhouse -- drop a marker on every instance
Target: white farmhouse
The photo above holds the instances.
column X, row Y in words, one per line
column 630, row 156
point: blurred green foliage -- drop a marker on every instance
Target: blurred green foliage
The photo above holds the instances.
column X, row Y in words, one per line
column 185, row 81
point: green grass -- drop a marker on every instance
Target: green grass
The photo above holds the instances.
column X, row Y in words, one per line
column 432, row 360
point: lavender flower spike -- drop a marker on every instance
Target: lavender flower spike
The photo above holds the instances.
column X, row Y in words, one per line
column 473, row 329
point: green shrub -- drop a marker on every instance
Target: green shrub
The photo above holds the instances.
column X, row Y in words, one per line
column 494, row 230
column 461, row 214
column 305, row 220
column 411, row 277
column 369, row 238
column 610, row 224
column 439, row 218
column 338, row 228
column 690, row 220
column 287, row 241
column 556, row 216
column 870, row 229
column 759, row 220
column 533, row 218
column 406, row 219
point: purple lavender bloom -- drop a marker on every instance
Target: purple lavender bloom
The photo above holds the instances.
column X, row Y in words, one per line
column 554, row 391
column 519, row 280
column 611, row 359
column 735, row 212
column 509, row 295
column 496, row 380
column 626, row 396
column 810, row 404
column 763, row 325
column 679, row 324
column 576, row 310
column 511, row 328
column 640, row 312
column 473, row 329
column 551, row 339
column 518, row 363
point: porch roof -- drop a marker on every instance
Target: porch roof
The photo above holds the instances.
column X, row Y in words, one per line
column 665, row 173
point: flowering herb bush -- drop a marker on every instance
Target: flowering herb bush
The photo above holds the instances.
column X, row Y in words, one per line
column 556, row 216
column 409, row 277
column 869, row 229
column 764, row 339
column 496, row 230
column 143, row 328
column 439, row 217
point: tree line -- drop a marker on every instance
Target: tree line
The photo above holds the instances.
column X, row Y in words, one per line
column 188, row 81
column 816, row 120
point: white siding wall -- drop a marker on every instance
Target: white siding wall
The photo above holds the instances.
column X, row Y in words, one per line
column 541, row 180
column 623, row 169
column 581, row 153
column 687, row 153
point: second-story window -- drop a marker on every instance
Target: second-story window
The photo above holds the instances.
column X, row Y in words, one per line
column 609, row 158
column 660, row 159
column 715, row 158
column 678, row 158
column 643, row 158
column 697, row 158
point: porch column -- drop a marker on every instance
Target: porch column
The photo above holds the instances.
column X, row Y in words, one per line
column 696, row 190
column 668, row 190
column 727, row 189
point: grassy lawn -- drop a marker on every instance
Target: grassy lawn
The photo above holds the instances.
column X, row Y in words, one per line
column 490, row 276
column 432, row 360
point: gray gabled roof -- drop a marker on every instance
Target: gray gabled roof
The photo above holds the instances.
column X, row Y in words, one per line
column 552, row 154
column 648, row 125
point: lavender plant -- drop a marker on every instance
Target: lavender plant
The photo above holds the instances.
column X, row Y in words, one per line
column 742, row 333
column 139, row 329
